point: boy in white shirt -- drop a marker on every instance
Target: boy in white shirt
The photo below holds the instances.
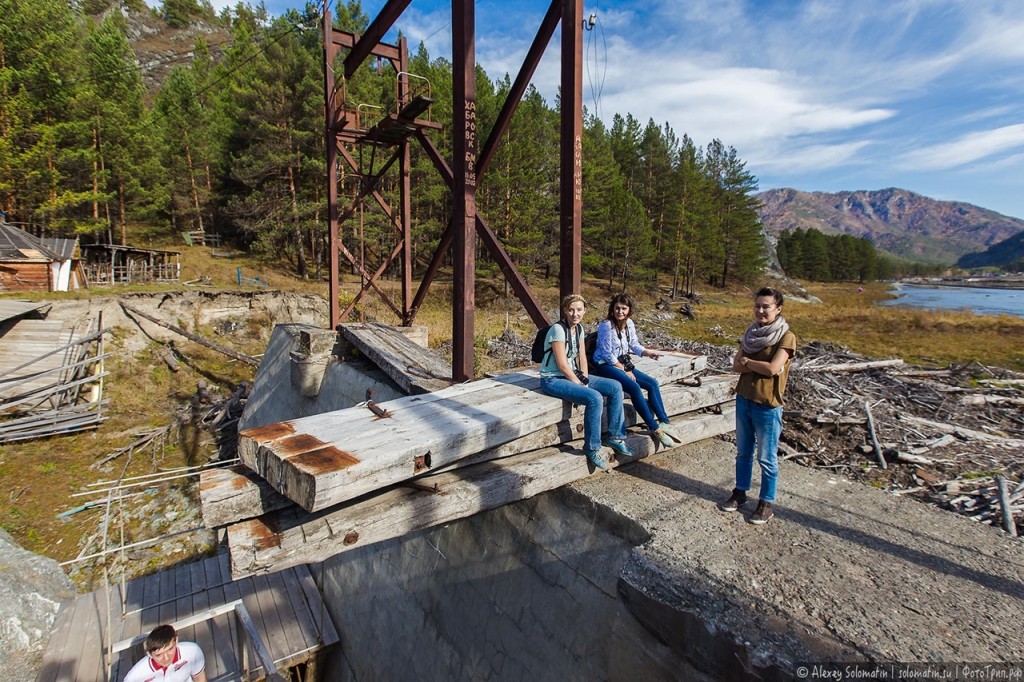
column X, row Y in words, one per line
column 168, row 660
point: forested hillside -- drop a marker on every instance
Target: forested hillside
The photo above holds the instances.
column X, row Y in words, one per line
column 231, row 140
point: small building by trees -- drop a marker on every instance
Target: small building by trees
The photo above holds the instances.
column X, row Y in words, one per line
column 113, row 264
column 30, row 263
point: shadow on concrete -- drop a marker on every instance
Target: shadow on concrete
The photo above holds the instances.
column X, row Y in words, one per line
column 875, row 543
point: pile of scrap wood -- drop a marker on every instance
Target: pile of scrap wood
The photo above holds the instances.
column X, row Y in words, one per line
column 51, row 379
column 309, row 488
column 923, row 431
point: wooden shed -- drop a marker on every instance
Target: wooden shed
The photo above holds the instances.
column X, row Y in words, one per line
column 113, row 264
column 30, row 263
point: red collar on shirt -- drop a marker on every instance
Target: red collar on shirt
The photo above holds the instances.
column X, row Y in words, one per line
column 156, row 666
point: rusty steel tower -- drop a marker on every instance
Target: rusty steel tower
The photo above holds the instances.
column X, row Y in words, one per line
column 392, row 133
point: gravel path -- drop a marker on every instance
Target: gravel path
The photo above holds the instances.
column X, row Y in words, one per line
column 843, row 572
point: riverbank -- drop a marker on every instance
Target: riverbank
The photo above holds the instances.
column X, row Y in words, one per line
column 854, row 317
column 1013, row 282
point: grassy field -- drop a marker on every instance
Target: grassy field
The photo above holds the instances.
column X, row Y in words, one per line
column 856, row 320
column 39, row 477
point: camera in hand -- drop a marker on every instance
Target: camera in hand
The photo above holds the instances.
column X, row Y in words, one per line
column 584, row 379
column 627, row 364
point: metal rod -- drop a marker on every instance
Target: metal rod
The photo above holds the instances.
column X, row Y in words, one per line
column 138, row 484
column 141, row 543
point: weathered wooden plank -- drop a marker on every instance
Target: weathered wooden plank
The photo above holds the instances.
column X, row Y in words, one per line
column 224, row 591
column 290, row 537
column 274, row 636
column 250, row 440
column 206, row 632
column 305, row 627
column 89, row 618
column 414, row 368
column 233, row 494
column 315, row 601
column 323, row 460
column 12, row 308
column 59, row 661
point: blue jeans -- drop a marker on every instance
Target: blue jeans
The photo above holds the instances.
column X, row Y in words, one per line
column 592, row 397
column 634, row 389
column 760, row 424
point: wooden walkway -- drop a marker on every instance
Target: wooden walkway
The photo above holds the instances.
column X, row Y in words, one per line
column 11, row 308
column 285, row 606
column 27, row 341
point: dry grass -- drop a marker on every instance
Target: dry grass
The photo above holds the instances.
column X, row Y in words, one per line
column 39, row 477
column 857, row 321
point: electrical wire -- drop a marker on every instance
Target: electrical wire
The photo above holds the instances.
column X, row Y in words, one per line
column 595, row 81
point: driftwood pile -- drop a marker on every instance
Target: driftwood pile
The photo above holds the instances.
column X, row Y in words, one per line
column 940, row 434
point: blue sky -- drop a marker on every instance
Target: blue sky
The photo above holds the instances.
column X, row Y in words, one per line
column 926, row 95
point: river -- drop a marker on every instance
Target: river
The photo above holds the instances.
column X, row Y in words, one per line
column 975, row 299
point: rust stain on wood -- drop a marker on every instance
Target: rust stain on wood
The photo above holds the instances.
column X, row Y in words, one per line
column 297, row 445
column 263, row 537
column 324, row 460
column 268, row 432
column 239, row 483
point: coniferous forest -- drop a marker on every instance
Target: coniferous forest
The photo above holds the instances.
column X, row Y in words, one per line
column 231, row 142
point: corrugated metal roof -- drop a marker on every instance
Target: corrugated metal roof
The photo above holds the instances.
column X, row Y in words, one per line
column 64, row 248
column 16, row 244
column 11, row 308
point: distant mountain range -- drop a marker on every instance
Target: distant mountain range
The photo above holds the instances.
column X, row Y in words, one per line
column 898, row 221
column 1007, row 252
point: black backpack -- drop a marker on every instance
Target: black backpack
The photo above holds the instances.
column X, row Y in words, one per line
column 590, row 345
column 537, row 351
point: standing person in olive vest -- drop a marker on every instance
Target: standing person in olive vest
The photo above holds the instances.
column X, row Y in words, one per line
column 762, row 362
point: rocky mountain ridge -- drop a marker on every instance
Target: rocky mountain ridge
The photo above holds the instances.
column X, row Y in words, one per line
column 159, row 48
column 898, row 221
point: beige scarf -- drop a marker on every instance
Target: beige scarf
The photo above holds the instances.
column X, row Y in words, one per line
column 758, row 337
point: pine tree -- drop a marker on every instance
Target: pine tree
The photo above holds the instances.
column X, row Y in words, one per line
column 43, row 173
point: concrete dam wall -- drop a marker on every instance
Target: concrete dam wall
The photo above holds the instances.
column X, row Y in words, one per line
column 529, row 591
column 638, row 576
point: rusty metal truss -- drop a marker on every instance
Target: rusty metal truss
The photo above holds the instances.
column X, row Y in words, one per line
column 385, row 136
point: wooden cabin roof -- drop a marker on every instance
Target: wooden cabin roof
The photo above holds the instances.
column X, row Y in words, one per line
column 18, row 245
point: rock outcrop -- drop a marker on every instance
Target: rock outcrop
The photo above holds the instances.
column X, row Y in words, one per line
column 31, row 590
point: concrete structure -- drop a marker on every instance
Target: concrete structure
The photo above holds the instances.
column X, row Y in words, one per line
column 302, row 374
column 639, row 576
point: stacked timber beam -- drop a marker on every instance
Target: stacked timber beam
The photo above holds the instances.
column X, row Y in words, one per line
column 310, row 488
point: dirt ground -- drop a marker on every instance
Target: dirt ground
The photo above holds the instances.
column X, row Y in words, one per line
column 844, row 572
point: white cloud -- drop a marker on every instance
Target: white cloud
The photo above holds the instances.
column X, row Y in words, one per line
column 797, row 159
column 968, row 149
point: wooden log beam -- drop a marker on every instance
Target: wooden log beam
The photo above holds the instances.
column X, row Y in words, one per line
column 879, row 455
column 322, row 460
column 248, row 359
column 1004, row 506
column 287, row 538
column 858, row 366
column 963, row 432
column 414, row 369
column 232, row 494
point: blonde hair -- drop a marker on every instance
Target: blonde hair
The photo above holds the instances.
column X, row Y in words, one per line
column 569, row 299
